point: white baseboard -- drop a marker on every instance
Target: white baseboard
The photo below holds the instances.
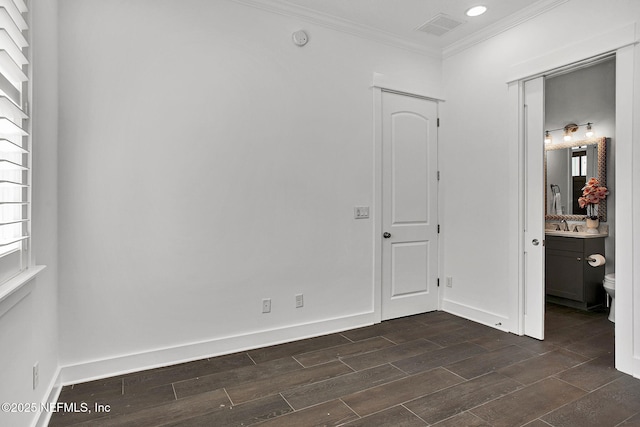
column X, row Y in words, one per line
column 484, row 317
column 51, row 398
column 97, row 369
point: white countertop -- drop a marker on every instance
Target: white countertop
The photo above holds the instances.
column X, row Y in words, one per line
column 574, row 234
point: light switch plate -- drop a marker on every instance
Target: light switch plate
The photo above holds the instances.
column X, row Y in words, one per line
column 361, row 212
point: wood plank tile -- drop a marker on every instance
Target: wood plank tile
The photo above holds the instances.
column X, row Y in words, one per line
column 489, row 361
column 459, row 398
column 242, row 415
column 527, row 404
column 419, row 330
column 334, row 388
column 536, row 423
column 632, row 422
column 504, row 339
column 532, row 344
column 593, row 374
column 99, row 389
column 235, row 377
column 318, row 357
column 333, row 413
column 154, row 377
column 429, row 360
column 465, row 419
column 286, row 381
column 380, row 329
column 537, row 368
column 564, row 336
column 397, row 416
column 122, row 404
column 391, row 354
column 470, row 331
column 434, row 317
column 607, row 406
column 174, row 411
column 595, row 345
column 464, row 334
column 296, row 347
column 403, row 390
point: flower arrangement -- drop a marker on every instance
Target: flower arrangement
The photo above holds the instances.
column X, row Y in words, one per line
column 592, row 194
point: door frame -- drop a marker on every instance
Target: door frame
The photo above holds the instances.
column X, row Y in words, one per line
column 621, row 42
column 406, row 87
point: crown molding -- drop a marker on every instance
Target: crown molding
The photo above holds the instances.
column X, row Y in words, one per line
column 285, row 8
column 530, row 12
column 282, row 7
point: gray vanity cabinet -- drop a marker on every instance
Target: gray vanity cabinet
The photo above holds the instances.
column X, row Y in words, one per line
column 569, row 279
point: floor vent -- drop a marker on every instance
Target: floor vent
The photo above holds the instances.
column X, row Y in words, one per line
column 440, row 24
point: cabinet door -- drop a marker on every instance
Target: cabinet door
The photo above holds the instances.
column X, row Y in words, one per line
column 564, row 274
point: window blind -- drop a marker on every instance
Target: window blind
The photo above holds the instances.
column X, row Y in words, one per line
column 15, row 176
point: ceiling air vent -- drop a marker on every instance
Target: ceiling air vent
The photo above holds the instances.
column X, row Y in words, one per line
column 440, row 24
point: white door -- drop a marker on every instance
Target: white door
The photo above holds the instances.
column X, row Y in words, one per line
column 534, row 208
column 409, row 205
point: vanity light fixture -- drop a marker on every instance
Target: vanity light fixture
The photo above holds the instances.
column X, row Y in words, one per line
column 476, row 10
column 569, row 130
column 589, row 132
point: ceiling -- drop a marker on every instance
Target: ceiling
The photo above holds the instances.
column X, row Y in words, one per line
column 399, row 19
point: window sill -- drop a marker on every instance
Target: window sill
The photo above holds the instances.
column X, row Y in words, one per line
column 13, row 290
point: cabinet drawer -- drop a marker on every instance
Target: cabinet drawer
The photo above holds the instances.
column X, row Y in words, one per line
column 564, row 243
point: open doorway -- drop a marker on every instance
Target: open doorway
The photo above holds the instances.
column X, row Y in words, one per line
column 580, row 125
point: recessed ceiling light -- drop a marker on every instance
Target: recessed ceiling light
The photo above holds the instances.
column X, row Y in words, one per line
column 476, row 11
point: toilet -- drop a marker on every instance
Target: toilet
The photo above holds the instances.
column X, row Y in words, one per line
column 610, row 286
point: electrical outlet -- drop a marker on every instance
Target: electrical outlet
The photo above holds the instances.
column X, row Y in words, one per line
column 299, row 300
column 266, row 305
column 361, row 212
column 36, row 375
column 449, row 282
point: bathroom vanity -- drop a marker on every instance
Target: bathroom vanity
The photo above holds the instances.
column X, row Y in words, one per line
column 569, row 279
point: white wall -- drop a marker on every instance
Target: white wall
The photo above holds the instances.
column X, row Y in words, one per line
column 206, row 162
column 29, row 329
column 479, row 160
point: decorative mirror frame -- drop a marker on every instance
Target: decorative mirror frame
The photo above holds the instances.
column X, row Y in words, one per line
column 602, row 176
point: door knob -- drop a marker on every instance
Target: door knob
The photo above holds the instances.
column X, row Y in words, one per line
column 535, row 242
column 386, row 235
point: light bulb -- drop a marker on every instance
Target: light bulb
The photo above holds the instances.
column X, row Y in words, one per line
column 547, row 137
column 589, row 132
column 567, row 137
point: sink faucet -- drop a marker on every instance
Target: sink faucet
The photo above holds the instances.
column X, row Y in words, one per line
column 557, row 227
column 566, row 226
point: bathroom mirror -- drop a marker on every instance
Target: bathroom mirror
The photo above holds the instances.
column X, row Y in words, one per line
column 567, row 167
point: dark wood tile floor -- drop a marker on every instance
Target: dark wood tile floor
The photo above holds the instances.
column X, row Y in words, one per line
column 429, row 369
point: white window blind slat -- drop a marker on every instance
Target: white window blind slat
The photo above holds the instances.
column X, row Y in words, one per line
column 21, row 5
column 14, row 13
column 11, row 109
column 11, row 71
column 15, row 159
column 14, row 51
column 9, row 25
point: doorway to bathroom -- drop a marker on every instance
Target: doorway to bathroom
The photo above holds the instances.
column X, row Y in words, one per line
column 621, row 42
column 574, row 108
column 580, row 142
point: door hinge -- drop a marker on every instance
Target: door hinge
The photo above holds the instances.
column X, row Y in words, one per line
column 438, row 228
column 438, row 282
column 438, row 175
column 438, row 124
